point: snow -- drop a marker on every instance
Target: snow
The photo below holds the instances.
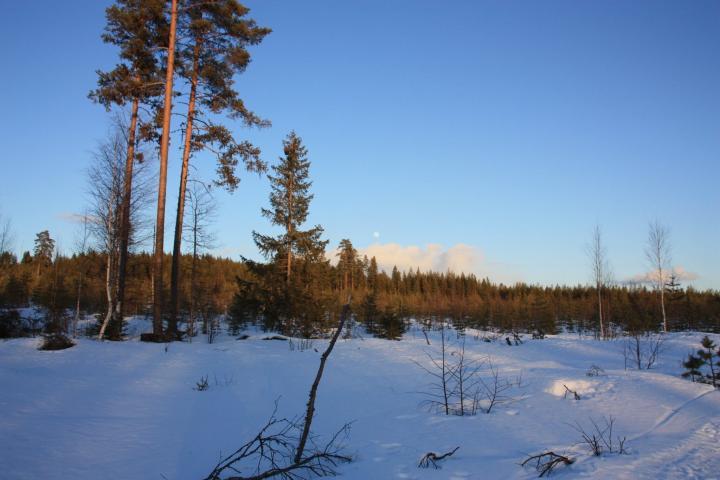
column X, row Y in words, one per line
column 129, row 410
column 582, row 387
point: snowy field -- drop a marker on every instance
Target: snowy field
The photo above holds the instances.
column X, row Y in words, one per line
column 130, row 411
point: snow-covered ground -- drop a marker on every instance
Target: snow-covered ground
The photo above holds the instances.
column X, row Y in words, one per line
column 129, row 410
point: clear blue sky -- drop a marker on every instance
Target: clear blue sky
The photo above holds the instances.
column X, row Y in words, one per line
column 511, row 127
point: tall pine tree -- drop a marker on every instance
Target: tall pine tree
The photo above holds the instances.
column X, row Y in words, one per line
column 43, row 251
column 137, row 28
column 214, row 38
column 159, row 254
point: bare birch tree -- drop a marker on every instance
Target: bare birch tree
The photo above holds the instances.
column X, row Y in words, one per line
column 658, row 255
column 601, row 274
column 6, row 236
column 201, row 211
column 81, row 243
column 107, row 186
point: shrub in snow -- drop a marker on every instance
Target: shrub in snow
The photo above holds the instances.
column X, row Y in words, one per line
column 516, row 339
column 488, row 337
column 458, row 386
column 538, row 334
column 599, row 439
column 595, row 371
column 300, row 344
column 11, row 324
column 692, row 366
column 495, row 388
column 642, row 350
column 708, row 356
column 56, row 341
column 202, row 384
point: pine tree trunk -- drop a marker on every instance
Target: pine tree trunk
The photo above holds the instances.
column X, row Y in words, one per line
column 175, row 269
column 162, row 183
column 125, row 214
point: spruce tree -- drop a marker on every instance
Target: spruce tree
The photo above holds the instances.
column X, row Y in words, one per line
column 692, row 366
column 290, row 292
column 213, row 48
column 370, row 307
column 347, row 259
column 290, row 199
column 372, row 275
column 709, row 356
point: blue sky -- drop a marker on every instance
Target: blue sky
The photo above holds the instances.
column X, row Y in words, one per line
column 497, row 132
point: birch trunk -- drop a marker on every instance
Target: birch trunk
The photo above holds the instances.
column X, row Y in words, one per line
column 126, row 212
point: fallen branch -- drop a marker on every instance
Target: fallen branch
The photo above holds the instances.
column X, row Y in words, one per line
column 279, row 449
column 567, row 390
column 267, row 455
column 546, row 462
column 432, row 458
column 313, row 390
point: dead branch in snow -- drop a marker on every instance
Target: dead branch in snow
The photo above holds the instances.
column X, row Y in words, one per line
column 431, row 459
column 285, row 448
column 546, row 462
column 574, row 393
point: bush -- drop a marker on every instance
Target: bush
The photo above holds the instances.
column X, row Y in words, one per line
column 11, row 324
column 706, row 356
column 202, row 384
column 56, row 341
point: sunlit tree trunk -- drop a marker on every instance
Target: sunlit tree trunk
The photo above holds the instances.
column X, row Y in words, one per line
column 162, row 182
column 177, row 254
column 125, row 213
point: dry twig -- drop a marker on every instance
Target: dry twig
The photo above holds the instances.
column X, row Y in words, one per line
column 431, row 459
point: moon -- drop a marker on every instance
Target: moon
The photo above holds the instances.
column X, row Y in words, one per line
column 376, row 235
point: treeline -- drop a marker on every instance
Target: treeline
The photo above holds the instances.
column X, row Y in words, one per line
column 384, row 301
column 66, row 289
column 62, row 287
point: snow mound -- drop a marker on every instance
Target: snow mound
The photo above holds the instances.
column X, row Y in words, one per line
column 584, row 388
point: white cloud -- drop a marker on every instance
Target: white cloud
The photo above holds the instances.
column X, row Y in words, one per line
column 460, row 258
column 681, row 275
